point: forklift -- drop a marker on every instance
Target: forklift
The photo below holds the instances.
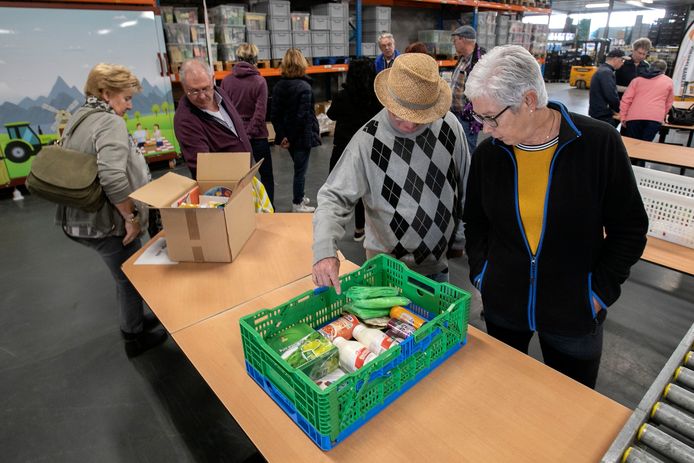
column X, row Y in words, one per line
column 593, row 53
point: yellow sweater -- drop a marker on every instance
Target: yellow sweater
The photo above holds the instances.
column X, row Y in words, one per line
column 533, row 176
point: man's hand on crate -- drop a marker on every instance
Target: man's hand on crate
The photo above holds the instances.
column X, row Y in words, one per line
column 326, row 273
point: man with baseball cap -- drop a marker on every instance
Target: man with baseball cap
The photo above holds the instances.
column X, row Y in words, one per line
column 469, row 53
column 409, row 166
column 604, row 101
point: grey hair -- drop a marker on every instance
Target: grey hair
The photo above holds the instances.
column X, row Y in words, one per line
column 191, row 64
column 385, row 35
column 659, row 65
column 505, row 74
column 644, row 43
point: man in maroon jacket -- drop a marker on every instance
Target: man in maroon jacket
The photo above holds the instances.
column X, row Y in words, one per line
column 205, row 120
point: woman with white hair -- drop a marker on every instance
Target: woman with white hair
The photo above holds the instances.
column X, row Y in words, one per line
column 553, row 217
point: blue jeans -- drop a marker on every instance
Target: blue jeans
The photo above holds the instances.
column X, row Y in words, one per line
column 469, row 136
column 114, row 254
column 578, row 357
column 642, row 130
column 261, row 150
column 300, row 158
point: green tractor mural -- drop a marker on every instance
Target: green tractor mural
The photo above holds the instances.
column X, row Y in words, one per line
column 23, row 142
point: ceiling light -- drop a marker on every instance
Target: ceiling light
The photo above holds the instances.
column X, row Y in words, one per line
column 597, row 5
column 635, row 3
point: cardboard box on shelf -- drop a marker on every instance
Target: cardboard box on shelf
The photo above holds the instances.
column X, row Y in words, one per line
column 206, row 234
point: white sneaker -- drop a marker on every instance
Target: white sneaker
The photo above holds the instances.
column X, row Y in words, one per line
column 302, row 208
column 306, row 200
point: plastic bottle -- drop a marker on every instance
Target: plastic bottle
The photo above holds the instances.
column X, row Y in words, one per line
column 377, row 341
column 353, row 354
column 342, row 327
column 405, row 315
column 400, row 328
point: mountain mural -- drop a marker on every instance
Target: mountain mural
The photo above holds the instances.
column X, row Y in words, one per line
column 62, row 96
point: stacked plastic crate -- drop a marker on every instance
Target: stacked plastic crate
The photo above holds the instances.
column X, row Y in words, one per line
column 320, row 35
column 486, row 29
column 438, row 42
column 301, row 32
column 375, row 21
column 520, row 34
column 229, row 27
column 185, row 38
column 503, row 22
column 257, row 34
column 539, row 37
column 279, row 24
column 338, row 21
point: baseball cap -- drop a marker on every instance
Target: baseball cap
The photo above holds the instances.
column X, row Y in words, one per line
column 466, row 32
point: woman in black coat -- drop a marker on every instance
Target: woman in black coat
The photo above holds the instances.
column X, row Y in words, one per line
column 294, row 120
column 352, row 107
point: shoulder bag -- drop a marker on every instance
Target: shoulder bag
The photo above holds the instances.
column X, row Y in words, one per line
column 685, row 116
column 67, row 177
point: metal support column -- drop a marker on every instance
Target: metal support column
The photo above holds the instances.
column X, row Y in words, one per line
column 357, row 6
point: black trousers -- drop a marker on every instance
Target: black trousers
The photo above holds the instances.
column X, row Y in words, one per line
column 576, row 357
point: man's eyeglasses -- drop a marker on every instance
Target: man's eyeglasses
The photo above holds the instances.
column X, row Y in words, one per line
column 489, row 120
column 200, row 91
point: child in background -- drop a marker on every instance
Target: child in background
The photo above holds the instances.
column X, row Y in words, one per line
column 140, row 136
column 157, row 136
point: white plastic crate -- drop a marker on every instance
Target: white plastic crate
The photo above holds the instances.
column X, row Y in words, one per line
column 320, row 23
column 376, row 12
column 280, row 38
column 334, row 10
column 664, row 181
column 300, row 38
column 273, row 7
column 259, row 38
column 669, row 203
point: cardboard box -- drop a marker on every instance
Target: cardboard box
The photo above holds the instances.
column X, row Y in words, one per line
column 206, row 234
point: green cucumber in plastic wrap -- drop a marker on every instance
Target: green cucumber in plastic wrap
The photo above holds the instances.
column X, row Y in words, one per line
column 357, row 293
column 381, row 302
column 365, row 314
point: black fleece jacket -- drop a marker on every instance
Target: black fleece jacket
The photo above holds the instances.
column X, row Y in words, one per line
column 594, row 230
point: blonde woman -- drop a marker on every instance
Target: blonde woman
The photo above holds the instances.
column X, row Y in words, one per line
column 294, row 119
column 114, row 230
column 247, row 90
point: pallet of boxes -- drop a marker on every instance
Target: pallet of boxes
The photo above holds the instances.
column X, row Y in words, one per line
column 375, row 20
column 186, row 38
column 332, row 18
column 230, row 31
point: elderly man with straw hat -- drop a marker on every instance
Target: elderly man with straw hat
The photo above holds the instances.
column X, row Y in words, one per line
column 409, row 165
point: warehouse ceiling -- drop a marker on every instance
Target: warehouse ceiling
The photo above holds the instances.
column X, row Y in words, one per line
column 579, row 6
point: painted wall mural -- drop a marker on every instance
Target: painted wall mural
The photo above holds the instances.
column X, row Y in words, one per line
column 46, row 55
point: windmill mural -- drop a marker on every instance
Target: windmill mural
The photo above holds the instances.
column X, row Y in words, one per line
column 62, row 116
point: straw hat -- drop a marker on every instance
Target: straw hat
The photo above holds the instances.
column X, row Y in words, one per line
column 413, row 90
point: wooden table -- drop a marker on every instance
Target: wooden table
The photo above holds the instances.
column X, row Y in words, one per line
column 669, row 255
column 671, row 155
column 278, row 252
column 487, row 403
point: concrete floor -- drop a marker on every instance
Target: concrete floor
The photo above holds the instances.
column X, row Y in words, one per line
column 68, row 393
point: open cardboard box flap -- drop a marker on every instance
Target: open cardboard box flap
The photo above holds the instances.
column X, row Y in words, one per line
column 162, row 192
column 245, row 180
column 222, row 166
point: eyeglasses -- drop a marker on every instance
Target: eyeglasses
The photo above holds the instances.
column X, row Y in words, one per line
column 200, row 91
column 491, row 121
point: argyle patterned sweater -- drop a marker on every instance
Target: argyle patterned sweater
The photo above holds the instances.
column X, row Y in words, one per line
column 412, row 186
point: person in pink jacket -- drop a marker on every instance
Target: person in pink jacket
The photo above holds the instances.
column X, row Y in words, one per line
column 646, row 103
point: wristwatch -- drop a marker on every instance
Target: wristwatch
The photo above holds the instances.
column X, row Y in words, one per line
column 132, row 218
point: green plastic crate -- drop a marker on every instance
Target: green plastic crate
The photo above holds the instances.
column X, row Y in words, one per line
column 335, row 412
